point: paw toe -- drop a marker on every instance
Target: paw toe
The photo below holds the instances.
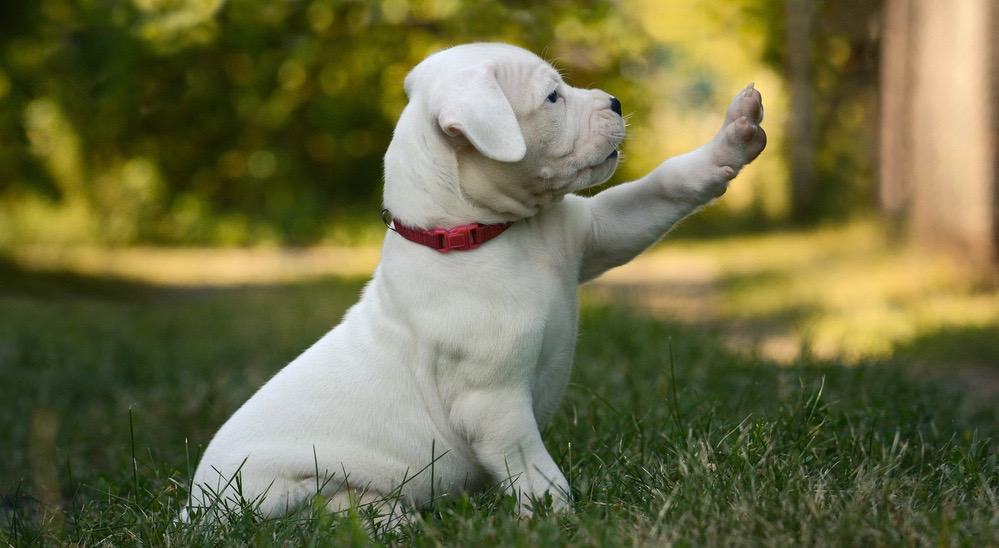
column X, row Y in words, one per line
column 758, row 144
column 748, row 103
column 754, row 145
column 742, row 130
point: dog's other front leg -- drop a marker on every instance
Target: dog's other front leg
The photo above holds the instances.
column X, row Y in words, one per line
column 627, row 219
column 506, row 441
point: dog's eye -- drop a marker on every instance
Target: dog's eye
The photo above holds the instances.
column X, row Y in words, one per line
column 552, row 97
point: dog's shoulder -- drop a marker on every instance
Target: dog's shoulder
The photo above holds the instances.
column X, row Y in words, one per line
column 564, row 226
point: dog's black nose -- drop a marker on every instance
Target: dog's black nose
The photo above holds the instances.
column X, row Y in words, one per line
column 616, row 105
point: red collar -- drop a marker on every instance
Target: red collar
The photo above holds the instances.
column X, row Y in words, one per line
column 463, row 237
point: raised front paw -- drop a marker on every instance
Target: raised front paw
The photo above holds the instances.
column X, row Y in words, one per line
column 741, row 138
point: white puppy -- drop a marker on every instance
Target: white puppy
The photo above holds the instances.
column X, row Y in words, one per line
column 460, row 358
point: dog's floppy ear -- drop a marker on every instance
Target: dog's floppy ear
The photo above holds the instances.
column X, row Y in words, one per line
column 473, row 105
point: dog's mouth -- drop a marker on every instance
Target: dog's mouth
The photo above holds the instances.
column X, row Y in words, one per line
column 612, row 155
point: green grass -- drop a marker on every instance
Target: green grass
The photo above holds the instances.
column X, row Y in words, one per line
column 109, row 389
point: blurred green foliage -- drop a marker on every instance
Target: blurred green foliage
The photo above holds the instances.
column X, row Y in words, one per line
column 193, row 120
column 844, row 64
column 254, row 121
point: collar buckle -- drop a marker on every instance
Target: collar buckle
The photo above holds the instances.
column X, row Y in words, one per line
column 463, row 237
column 459, row 237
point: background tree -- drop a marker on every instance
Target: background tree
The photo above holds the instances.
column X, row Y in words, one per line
column 828, row 54
column 799, row 19
column 939, row 174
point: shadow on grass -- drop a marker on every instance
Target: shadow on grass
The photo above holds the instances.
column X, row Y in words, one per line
column 15, row 280
column 966, row 358
column 63, row 284
column 954, row 347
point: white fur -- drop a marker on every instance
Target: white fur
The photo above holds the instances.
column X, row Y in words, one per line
column 466, row 354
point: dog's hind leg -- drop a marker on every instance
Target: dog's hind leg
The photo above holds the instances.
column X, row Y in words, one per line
column 232, row 497
column 284, row 496
column 385, row 511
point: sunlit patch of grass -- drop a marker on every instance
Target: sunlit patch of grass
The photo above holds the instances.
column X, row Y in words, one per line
column 847, row 292
column 862, row 295
column 202, row 266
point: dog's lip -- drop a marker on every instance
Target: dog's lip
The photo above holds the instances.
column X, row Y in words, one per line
column 613, row 154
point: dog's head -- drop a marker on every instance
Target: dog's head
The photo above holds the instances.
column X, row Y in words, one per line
column 502, row 131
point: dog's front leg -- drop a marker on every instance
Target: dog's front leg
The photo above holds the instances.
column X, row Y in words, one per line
column 627, row 219
column 504, row 436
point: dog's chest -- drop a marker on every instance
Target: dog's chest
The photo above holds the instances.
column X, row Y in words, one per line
column 519, row 327
column 500, row 316
column 527, row 328
column 553, row 364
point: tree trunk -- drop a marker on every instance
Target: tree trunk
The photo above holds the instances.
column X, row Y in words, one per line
column 895, row 176
column 993, row 28
column 798, row 17
column 938, row 125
